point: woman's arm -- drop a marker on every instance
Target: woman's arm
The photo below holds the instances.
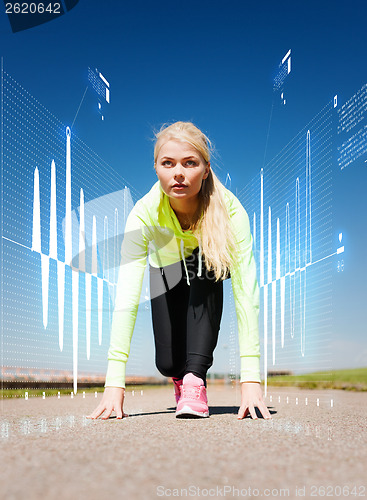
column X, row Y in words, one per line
column 131, row 273
column 247, row 302
column 246, row 295
column 128, row 290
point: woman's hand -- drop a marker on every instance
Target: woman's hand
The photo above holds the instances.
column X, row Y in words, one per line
column 251, row 396
column 113, row 399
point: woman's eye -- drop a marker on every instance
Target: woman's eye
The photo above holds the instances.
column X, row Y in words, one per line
column 190, row 163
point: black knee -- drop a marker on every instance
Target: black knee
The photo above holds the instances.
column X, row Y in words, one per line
column 167, row 369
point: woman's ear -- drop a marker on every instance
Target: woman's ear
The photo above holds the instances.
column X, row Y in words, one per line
column 207, row 170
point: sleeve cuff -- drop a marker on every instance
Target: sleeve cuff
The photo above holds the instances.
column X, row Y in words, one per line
column 115, row 376
column 250, row 369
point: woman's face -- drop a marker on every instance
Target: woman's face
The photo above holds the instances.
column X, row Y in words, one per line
column 180, row 163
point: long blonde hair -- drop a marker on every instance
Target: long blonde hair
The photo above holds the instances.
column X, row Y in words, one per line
column 213, row 229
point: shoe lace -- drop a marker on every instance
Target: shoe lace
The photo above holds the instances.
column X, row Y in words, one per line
column 191, row 391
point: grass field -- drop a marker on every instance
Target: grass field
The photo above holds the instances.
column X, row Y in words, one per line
column 20, row 393
column 350, row 380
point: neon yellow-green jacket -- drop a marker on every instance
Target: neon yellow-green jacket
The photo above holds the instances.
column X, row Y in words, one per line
column 152, row 229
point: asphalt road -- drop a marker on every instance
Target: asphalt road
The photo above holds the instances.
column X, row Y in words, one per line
column 49, row 450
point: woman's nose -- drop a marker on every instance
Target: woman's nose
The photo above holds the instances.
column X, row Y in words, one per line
column 178, row 171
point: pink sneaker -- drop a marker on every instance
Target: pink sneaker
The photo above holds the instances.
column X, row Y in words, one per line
column 193, row 400
column 178, row 386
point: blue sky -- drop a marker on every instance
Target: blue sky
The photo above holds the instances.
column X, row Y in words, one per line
column 206, row 61
column 213, row 63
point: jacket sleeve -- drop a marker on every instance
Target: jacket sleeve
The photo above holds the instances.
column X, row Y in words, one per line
column 134, row 250
column 246, row 295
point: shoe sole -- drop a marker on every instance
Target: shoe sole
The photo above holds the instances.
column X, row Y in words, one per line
column 187, row 411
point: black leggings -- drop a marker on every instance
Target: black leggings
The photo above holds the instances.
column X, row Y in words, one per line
column 186, row 319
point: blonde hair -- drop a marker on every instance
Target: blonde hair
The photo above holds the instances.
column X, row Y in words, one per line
column 213, row 229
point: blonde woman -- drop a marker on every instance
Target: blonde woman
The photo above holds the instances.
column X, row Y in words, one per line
column 196, row 234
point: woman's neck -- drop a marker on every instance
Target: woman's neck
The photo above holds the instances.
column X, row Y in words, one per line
column 186, row 216
column 186, row 208
column 184, row 220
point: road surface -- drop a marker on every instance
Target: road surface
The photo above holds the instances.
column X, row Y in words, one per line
column 49, row 450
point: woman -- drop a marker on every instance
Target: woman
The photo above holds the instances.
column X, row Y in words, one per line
column 197, row 234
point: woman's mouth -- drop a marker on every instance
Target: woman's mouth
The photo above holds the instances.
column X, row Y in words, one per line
column 179, row 186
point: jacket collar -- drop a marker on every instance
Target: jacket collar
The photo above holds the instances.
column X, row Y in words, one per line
column 170, row 215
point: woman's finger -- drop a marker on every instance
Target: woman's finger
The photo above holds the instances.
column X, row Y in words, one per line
column 107, row 414
column 253, row 412
column 242, row 412
column 97, row 412
column 119, row 412
column 123, row 415
column 264, row 410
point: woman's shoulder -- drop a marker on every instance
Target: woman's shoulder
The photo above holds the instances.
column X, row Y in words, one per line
column 228, row 195
column 152, row 195
column 150, row 201
column 232, row 202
